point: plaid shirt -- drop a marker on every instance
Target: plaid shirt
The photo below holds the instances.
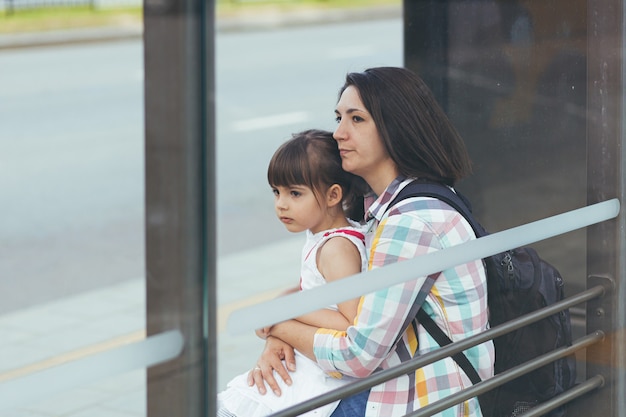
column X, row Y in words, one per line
column 457, row 302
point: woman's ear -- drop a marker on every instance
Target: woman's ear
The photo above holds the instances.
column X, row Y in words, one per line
column 334, row 195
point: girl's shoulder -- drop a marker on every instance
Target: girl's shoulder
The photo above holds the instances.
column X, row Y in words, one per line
column 354, row 232
column 339, row 251
column 353, row 241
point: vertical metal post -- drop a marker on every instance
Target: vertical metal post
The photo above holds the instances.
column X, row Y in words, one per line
column 605, row 164
column 180, row 212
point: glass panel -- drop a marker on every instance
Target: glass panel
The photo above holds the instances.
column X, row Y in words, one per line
column 271, row 82
column 72, row 181
column 515, row 86
column 536, row 89
column 512, row 75
column 517, row 89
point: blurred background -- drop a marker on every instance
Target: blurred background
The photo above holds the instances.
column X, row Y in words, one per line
column 512, row 75
column 72, row 243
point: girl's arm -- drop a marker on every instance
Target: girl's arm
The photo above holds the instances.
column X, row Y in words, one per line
column 381, row 313
column 337, row 258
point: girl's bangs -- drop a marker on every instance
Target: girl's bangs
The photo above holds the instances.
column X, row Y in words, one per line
column 289, row 168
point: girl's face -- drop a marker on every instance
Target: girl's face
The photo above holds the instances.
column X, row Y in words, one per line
column 298, row 209
column 360, row 145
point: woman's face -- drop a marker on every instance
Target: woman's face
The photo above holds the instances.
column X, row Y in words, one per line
column 360, row 145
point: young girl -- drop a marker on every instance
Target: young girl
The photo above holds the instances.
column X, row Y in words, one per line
column 312, row 193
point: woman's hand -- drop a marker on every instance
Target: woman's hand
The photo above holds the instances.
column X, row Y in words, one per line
column 272, row 360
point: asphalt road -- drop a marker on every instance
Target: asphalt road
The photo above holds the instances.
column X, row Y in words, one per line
column 71, row 146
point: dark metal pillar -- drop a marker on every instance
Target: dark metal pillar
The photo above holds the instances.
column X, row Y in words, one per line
column 180, row 211
column 605, row 180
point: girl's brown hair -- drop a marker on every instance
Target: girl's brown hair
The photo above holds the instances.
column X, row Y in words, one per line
column 311, row 158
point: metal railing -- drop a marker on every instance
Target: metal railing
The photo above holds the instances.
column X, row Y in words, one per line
column 293, row 305
column 166, row 346
column 41, row 385
column 431, row 263
column 486, row 385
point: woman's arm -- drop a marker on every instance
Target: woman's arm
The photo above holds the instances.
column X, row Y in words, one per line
column 336, row 259
column 367, row 344
column 363, row 348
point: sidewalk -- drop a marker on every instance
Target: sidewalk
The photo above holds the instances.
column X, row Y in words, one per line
column 242, row 22
column 64, row 330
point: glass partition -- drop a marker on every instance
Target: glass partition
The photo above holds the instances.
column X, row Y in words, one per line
column 512, row 75
column 72, row 240
column 272, row 81
column 536, row 90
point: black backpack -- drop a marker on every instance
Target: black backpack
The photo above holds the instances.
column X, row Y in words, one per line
column 518, row 282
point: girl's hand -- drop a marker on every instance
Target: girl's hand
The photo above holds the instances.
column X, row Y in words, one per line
column 264, row 332
column 272, row 360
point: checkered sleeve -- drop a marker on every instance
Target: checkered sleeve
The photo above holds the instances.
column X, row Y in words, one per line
column 365, row 346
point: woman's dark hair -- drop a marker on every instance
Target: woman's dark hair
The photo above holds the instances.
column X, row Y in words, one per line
column 417, row 134
column 311, row 158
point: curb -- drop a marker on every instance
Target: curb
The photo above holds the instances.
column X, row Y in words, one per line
column 249, row 22
column 68, row 37
column 240, row 23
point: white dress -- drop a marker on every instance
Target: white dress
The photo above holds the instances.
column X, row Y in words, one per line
column 308, row 380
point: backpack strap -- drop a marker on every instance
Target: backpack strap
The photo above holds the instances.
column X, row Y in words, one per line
column 423, row 188
column 442, row 339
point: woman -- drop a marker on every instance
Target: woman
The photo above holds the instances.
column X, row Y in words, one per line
column 391, row 131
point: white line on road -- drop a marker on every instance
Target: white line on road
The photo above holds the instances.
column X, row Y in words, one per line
column 356, row 51
column 267, row 122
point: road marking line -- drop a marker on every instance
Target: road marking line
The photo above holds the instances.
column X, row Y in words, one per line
column 351, row 52
column 267, row 122
column 222, row 314
column 73, row 355
column 224, row 311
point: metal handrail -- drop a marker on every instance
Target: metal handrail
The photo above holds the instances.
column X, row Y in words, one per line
column 566, row 397
column 456, row 347
column 508, row 375
column 153, row 350
column 295, row 304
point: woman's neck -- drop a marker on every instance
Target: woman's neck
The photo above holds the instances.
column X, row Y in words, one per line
column 380, row 179
column 379, row 184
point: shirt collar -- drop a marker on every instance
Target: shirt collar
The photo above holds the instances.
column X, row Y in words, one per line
column 378, row 207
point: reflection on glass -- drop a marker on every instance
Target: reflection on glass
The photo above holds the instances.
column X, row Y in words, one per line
column 517, row 89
